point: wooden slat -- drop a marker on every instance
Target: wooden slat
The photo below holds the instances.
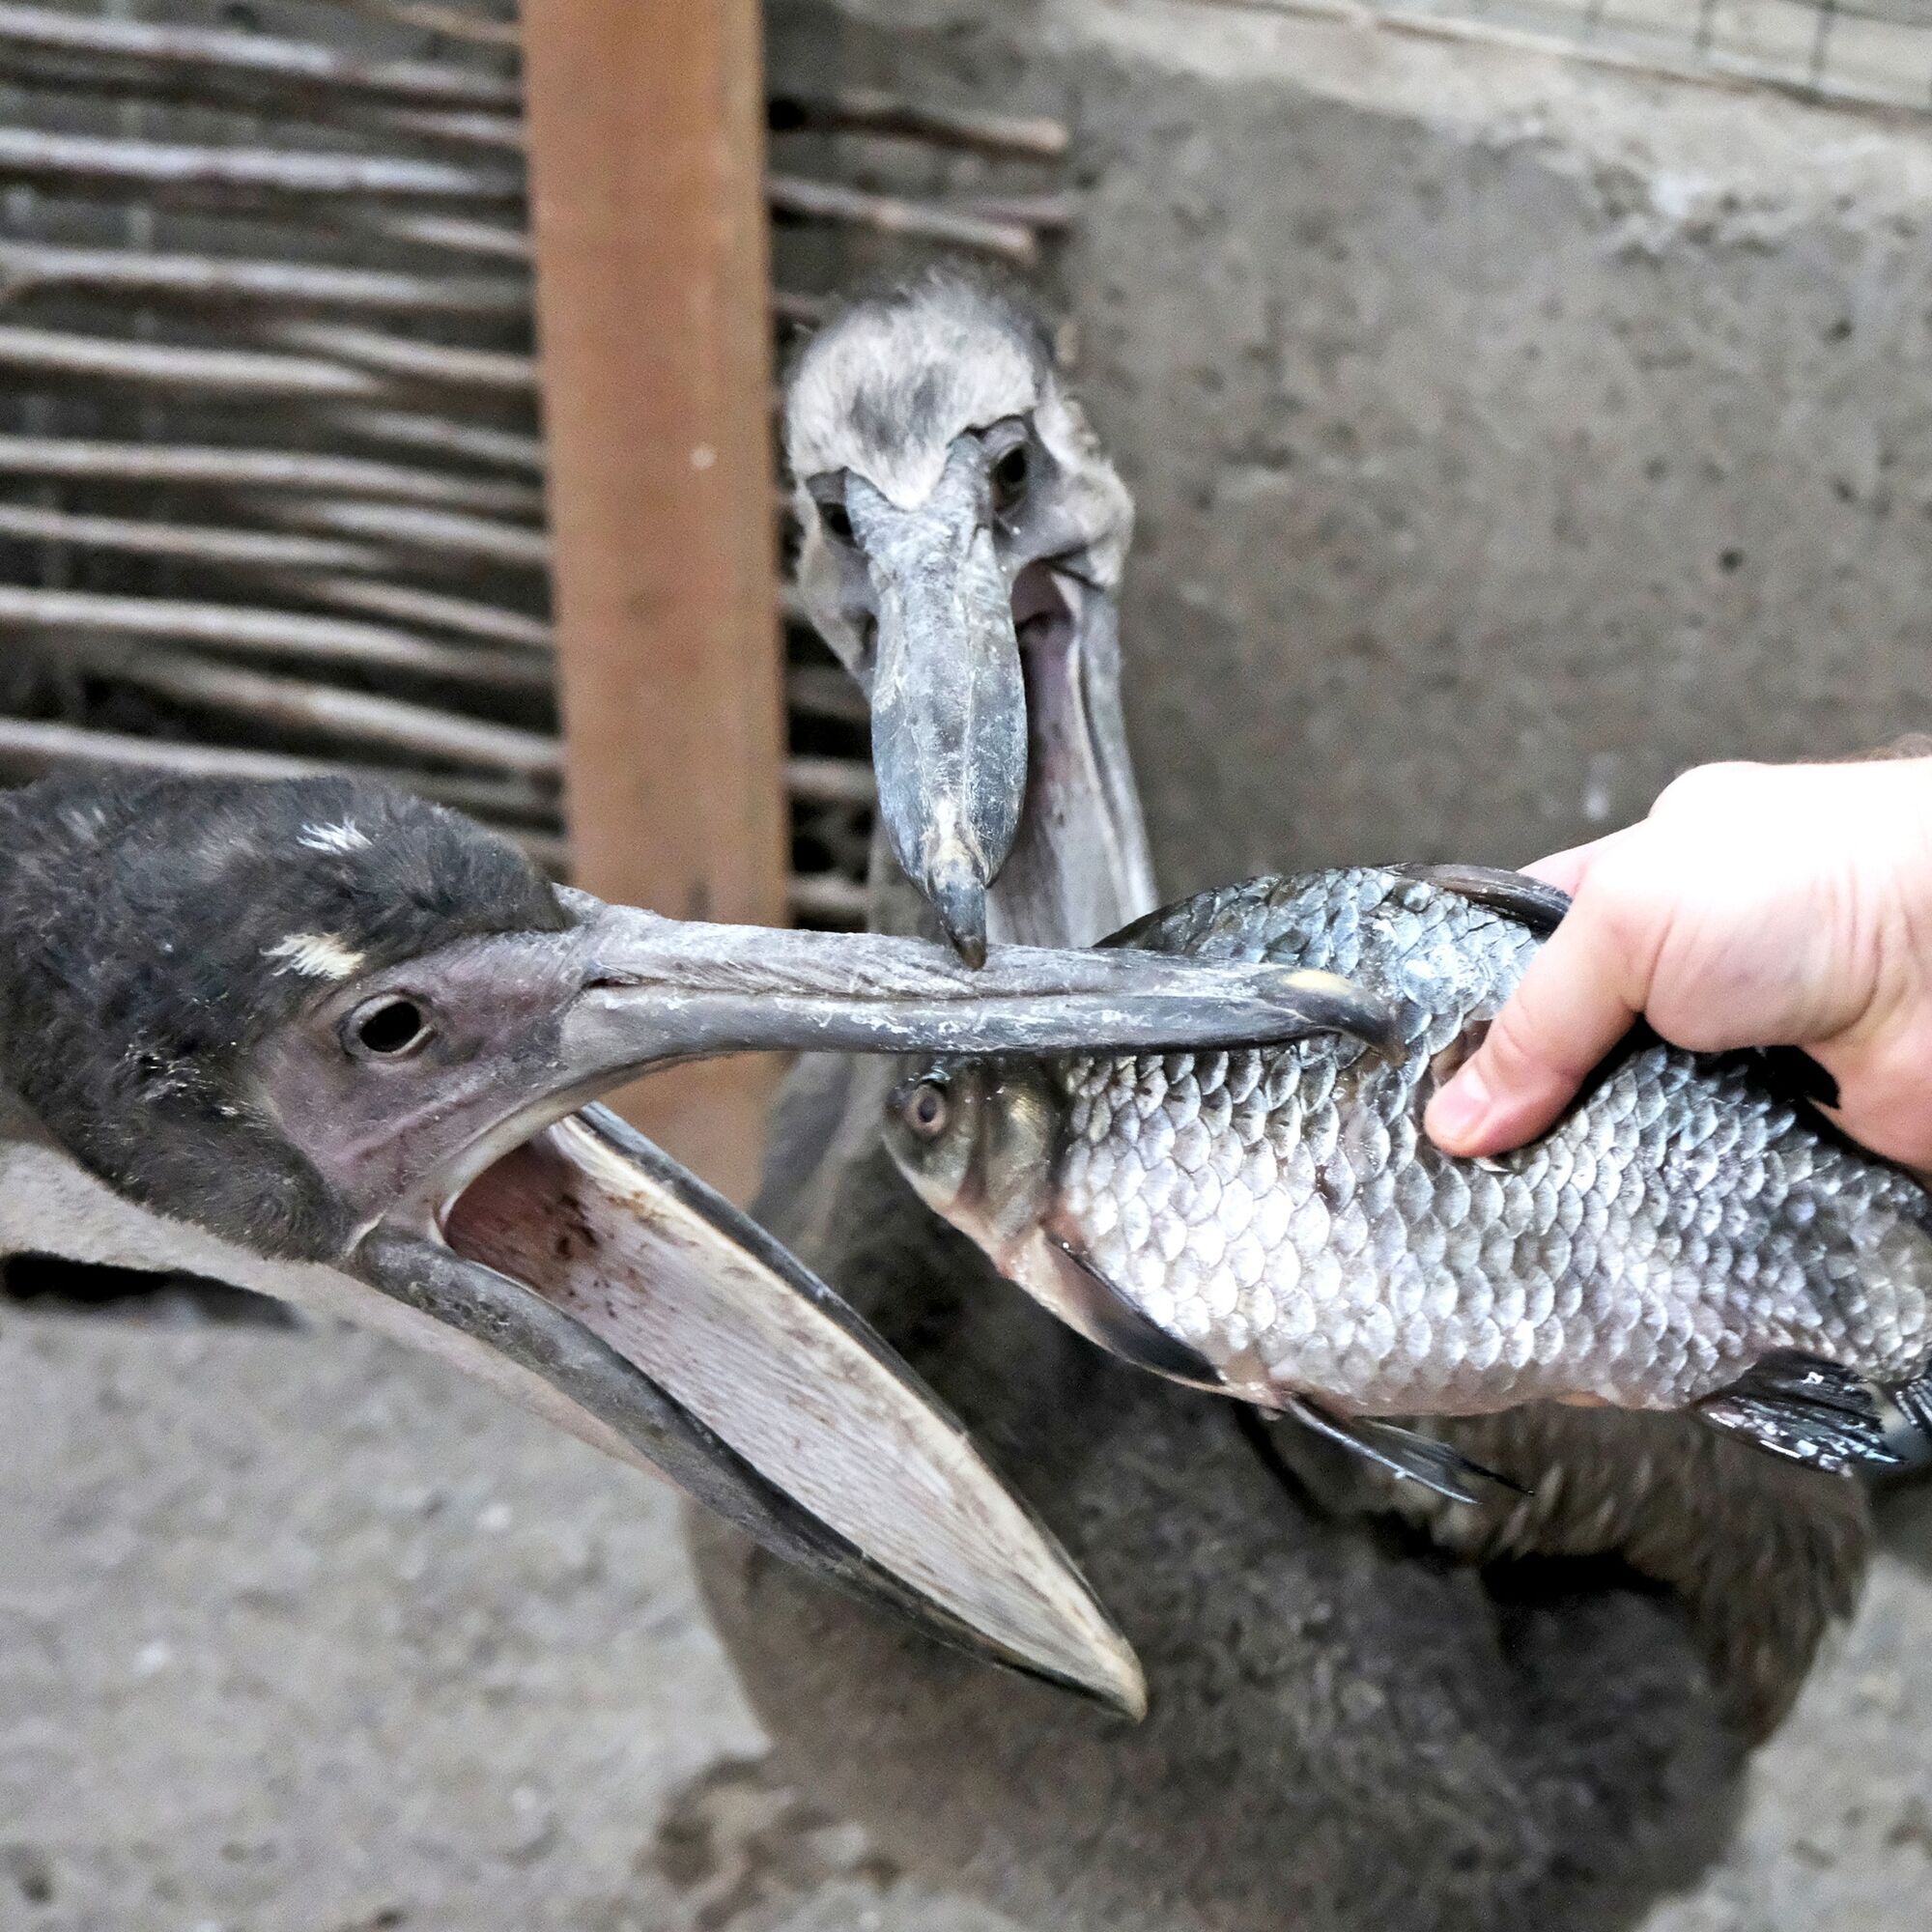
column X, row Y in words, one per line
column 209, row 53
column 221, row 466
column 30, row 268
column 646, row 143
column 29, row 747
column 290, row 636
column 30, row 154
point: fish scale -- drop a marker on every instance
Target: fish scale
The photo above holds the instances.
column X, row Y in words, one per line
column 1282, row 1213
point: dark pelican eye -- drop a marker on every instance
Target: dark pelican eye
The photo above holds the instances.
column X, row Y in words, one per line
column 837, row 524
column 1009, row 477
column 388, row 1028
column 925, row 1109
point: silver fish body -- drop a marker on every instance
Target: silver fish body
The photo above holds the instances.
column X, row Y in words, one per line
column 1279, row 1216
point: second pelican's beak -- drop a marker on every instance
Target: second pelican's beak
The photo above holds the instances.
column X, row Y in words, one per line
column 948, row 694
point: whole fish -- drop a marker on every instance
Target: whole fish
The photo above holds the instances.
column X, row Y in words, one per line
column 1274, row 1224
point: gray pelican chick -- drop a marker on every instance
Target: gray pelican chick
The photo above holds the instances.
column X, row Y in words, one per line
column 963, row 540
column 1530, row 1712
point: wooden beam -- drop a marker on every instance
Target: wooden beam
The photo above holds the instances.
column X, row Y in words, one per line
column 646, row 145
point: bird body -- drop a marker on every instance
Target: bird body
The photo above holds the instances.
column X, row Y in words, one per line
column 1345, row 1731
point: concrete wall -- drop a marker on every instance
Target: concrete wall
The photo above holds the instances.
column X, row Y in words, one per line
column 1508, row 433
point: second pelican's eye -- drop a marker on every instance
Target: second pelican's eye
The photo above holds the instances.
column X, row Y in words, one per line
column 1010, row 474
column 927, row 1110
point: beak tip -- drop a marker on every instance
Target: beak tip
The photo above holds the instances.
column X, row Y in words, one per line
column 1108, row 1674
column 957, row 894
column 1128, row 1698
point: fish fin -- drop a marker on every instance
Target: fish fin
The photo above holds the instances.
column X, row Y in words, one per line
column 1526, row 900
column 1913, row 1436
column 1107, row 1317
column 1404, row 1452
column 1808, row 1412
column 1791, row 1073
column 1788, row 1071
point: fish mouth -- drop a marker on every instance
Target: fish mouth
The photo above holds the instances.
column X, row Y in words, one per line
column 581, row 1271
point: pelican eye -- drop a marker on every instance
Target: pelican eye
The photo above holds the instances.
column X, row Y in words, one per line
column 838, row 521
column 1011, row 475
column 926, row 1109
column 388, row 1028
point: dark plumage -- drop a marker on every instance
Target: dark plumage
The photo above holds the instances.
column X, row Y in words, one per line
column 142, row 919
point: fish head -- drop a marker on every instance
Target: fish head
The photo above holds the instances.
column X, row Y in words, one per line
column 979, row 1140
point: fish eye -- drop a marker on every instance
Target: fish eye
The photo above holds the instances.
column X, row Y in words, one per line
column 388, row 1028
column 925, row 1109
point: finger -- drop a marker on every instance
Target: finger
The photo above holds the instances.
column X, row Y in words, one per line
column 1564, row 870
column 1567, row 870
column 1575, row 1001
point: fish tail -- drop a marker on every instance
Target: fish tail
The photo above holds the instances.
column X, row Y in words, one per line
column 1816, row 1412
column 1911, row 1430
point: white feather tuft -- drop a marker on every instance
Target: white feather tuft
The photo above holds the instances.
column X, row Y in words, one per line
column 320, row 954
column 341, row 837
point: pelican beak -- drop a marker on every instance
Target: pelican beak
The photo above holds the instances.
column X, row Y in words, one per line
column 556, row 1254
column 948, row 694
column 588, row 1276
column 1079, row 869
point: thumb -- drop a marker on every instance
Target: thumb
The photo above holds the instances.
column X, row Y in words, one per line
column 1571, row 1007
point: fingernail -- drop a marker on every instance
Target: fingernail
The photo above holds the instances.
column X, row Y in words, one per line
column 1459, row 1109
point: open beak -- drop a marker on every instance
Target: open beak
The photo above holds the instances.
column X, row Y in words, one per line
column 577, row 1267
column 949, row 700
column 597, row 1282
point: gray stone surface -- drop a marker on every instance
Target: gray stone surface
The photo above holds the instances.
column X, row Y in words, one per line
column 300, row 1633
column 1838, row 1829
column 304, row 1633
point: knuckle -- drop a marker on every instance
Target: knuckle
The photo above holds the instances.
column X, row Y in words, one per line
column 1526, row 1045
column 1704, row 785
column 1512, row 1048
column 1618, row 904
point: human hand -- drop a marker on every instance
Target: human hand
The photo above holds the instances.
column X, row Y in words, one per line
column 1757, row 905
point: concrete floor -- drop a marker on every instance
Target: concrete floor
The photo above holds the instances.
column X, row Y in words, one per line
column 301, row 1634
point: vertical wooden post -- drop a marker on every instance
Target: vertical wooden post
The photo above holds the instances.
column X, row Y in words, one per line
column 646, row 147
